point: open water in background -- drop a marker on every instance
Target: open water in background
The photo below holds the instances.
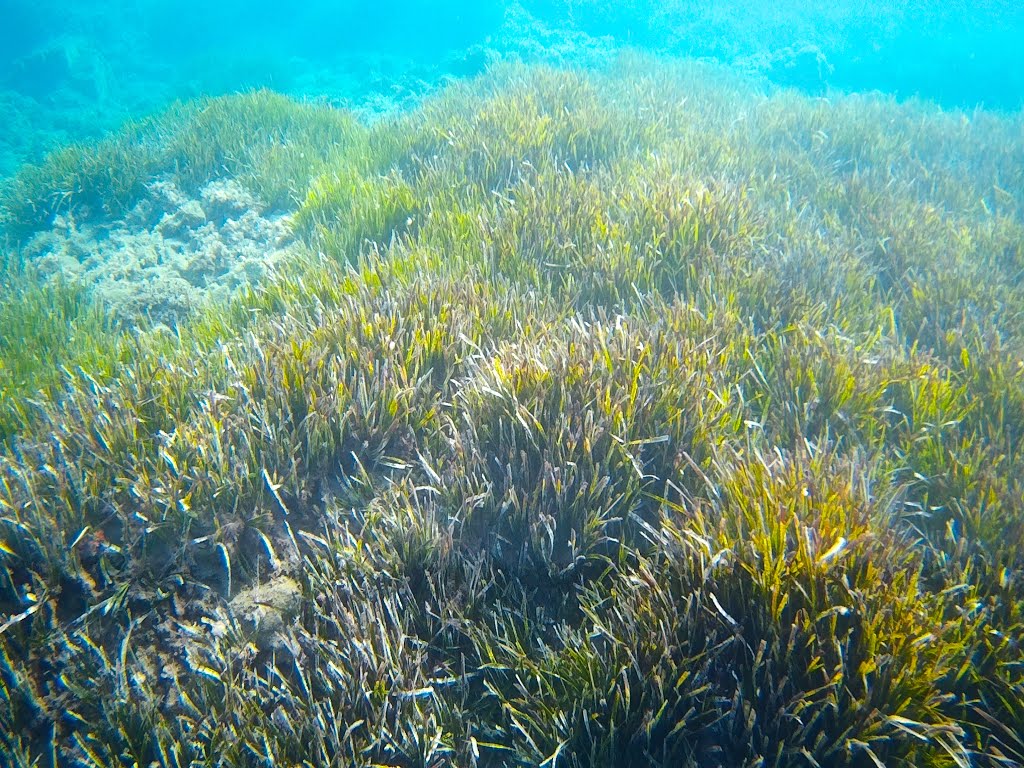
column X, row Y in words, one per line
column 70, row 70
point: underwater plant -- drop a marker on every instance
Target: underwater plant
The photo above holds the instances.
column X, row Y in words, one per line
column 624, row 417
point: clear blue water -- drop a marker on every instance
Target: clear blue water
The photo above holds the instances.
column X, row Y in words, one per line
column 70, row 70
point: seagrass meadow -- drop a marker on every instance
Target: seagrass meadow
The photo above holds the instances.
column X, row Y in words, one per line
column 636, row 417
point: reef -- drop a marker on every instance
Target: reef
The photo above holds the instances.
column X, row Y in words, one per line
column 625, row 417
column 169, row 254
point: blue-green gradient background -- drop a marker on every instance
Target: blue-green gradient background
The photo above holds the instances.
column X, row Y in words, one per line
column 73, row 70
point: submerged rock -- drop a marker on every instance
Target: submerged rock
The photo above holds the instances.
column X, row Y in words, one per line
column 801, row 66
column 180, row 224
column 266, row 610
column 170, row 253
column 227, row 199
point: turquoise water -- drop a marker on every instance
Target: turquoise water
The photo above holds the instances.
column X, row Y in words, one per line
column 561, row 383
column 72, row 70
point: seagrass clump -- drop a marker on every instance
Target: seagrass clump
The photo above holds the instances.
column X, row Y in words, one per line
column 636, row 417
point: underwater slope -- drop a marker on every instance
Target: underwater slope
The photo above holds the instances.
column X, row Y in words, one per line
column 623, row 418
column 70, row 71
